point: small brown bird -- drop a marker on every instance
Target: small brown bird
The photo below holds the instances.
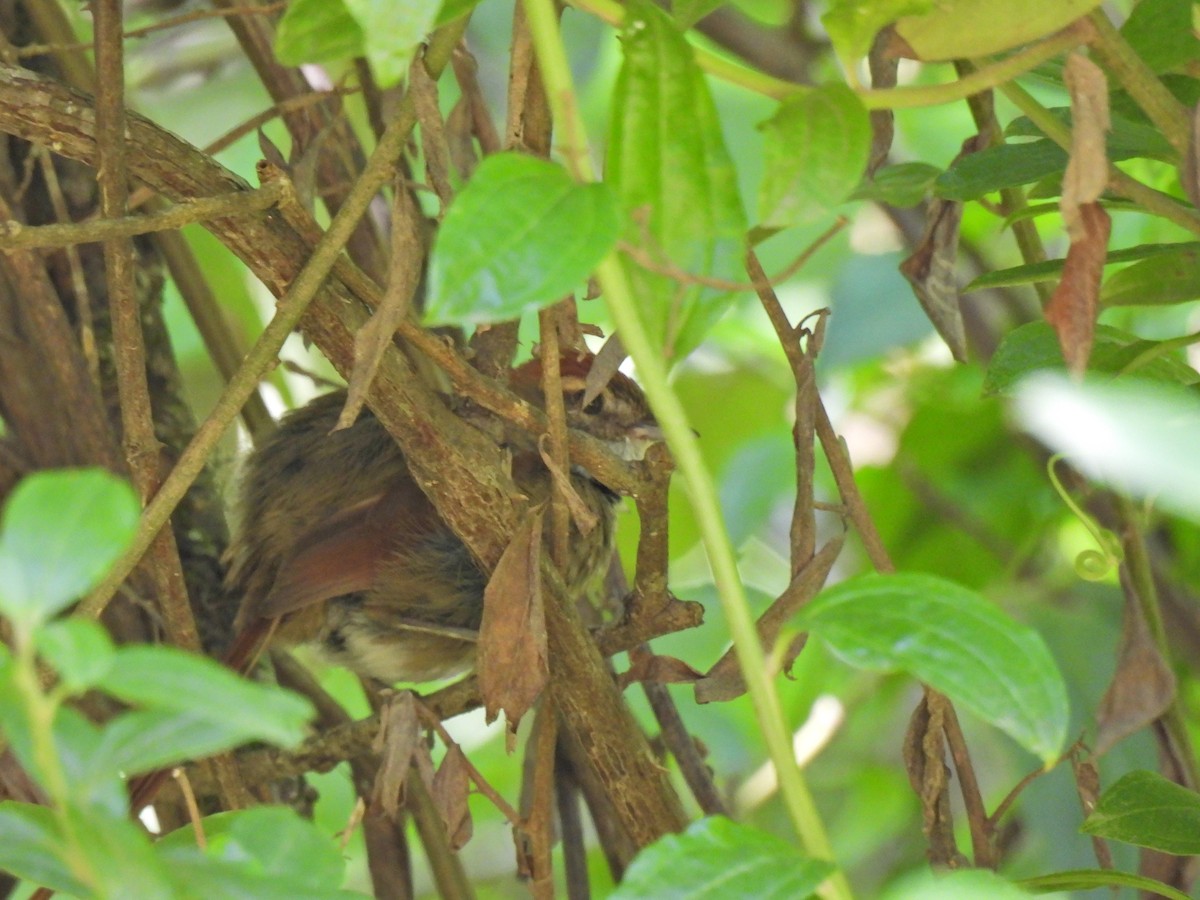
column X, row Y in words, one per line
column 336, row 540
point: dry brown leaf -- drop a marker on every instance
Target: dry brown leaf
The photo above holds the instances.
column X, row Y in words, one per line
column 724, row 680
column 581, row 514
column 1087, row 169
column 931, row 272
column 1072, row 309
column 512, row 661
column 460, row 139
column 1142, row 688
column 604, row 366
column 449, row 790
column 373, row 339
column 399, row 735
column 1087, row 785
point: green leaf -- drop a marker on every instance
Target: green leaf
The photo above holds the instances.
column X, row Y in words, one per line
column 955, row 29
column 392, row 29
column 1034, row 347
column 901, row 185
column 60, row 532
column 283, row 845
column 1135, row 436
column 79, row 650
column 668, row 163
column 288, row 846
column 166, row 678
column 1093, row 879
column 955, row 641
column 520, row 236
column 30, row 849
column 314, row 31
column 816, row 148
column 1008, row 165
column 852, row 24
column 208, row 876
column 1167, row 279
column 964, row 884
column 1050, row 269
column 717, row 858
column 1145, row 809
column 1161, row 33
column 1125, row 138
column 148, row 739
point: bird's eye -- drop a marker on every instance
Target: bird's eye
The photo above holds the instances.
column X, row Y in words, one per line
column 595, row 406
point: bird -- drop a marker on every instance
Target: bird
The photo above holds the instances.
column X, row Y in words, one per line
column 336, row 546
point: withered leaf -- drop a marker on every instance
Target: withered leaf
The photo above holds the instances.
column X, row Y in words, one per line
column 511, row 660
column 399, row 735
column 605, row 365
column 931, row 267
column 1072, row 309
column 724, row 680
column 449, row 790
column 1142, row 687
column 581, row 514
column 1087, row 169
column 376, row 335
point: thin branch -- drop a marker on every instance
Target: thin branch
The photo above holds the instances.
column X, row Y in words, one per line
column 14, row 235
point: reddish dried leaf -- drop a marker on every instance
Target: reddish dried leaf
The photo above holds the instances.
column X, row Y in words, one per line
column 1087, row 785
column 1141, row 689
column 449, row 791
column 1087, row 169
column 512, row 662
column 399, row 735
column 1072, row 309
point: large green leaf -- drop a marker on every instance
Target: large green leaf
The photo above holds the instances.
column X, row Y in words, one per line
column 1139, row 437
column 955, row 641
column 313, row 31
column 958, row 29
column 668, row 163
column 164, row 678
column 30, row 849
column 1162, row 33
column 391, row 30
column 1034, row 347
column 1145, row 809
column 716, row 858
column 60, row 532
column 816, row 149
column 520, row 236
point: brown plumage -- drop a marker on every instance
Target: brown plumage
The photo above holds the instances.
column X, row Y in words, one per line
column 336, row 541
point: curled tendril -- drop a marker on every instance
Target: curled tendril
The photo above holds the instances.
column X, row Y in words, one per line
column 1091, row 564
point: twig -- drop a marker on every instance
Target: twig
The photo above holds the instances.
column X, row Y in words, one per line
column 14, row 235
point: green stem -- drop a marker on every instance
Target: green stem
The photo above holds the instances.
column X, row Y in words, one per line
column 1155, row 202
column 41, row 710
column 893, row 98
column 652, row 372
column 1168, row 114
